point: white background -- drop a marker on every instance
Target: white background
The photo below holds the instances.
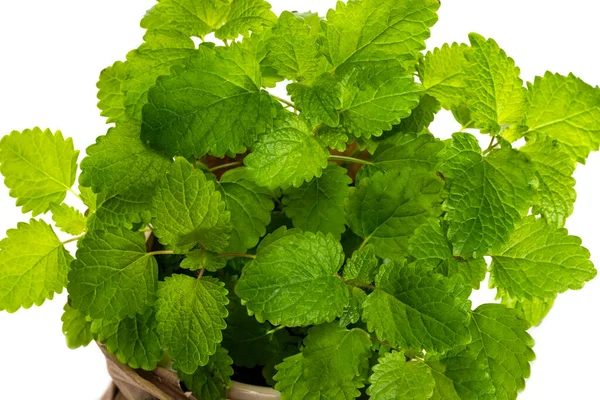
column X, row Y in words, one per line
column 51, row 53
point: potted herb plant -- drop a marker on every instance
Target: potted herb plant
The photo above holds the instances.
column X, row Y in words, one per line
column 324, row 244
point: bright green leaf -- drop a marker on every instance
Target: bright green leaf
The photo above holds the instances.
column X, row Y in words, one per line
column 113, row 275
column 39, row 167
column 396, row 378
column 68, row 219
column 212, row 380
column 76, row 327
column 197, row 259
column 318, row 205
column 288, row 155
column 191, row 315
column 362, row 266
column 412, row 309
column 319, row 101
column 292, row 270
column 33, row 266
column 188, row 210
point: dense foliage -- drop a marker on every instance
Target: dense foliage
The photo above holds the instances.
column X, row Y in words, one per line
column 328, row 239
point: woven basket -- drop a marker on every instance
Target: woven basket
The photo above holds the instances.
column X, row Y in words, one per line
column 163, row 384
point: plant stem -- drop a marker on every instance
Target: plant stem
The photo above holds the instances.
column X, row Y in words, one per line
column 491, row 146
column 284, row 101
column 350, row 159
column 252, row 256
column 267, row 333
column 364, row 243
column 382, row 342
column 231, row 164
column 73, row 239
column 360, row 285
column 201, row 273
column 160, row 252
column 76, row 195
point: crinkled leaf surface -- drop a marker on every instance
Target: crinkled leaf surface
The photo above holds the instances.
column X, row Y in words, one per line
column 39, row 167
column 376, row 99
column 442, row 72
column 134, row 340
column 320, row 100
column 395, row 378
column 386, row 208
column 288, row 155
column 431, row 249
column 211, row 380
column 293, row 280
column 318, row 205
column 197, row 259
column 362, row 266
column 412, row 309
column 68, row 219
column 250, row 207
column 556, row 185
column 419, row 152
column 540, row 261
column 113, row 275
column 329, row 366
column 212, row 105
column 420, row 117
column 496, row 93
column 244, row 16
column 188, row 210
column 566, row 109
column 191, row 315
column 488, row 195
column 120, row 162
column 33, row 265
column 123, row 87
column 496, row 362
column 375, row 32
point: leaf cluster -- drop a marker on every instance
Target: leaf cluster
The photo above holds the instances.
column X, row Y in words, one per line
column 328, row 239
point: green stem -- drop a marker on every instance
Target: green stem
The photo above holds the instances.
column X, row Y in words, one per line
column 364, row 243
column 252, row 256
column 73, row 239
column 466, row 126
column 350, row 159
column 160, row 252
column 231, row 164
column 383, row 342
column 284, row 101
column 76, row 195
column 267, row 333
column 360, row 285
column 491, row 146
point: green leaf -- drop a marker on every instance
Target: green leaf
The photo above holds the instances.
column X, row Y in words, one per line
column 376, row 99
column 88, row 197
column 198, row 259
column 68, row 219
column 496, row 93
column 290, row 271
column 123, row 87
column 566, row 109
column 386, row 208
column 212, row 380
column 412, row 309
column 190, row 17
column 318, row 205
column 396, row 378
column 38, row 167
column 133, row 340
column 362, row 266
column 33, row 266
column 496, row 362
column 212, row 105
column 288, row 155
column 376, row 32
column 554, row 170
column 191, row 315
column 122, row 210
column 353, row 311
column 501, row 184
column 250, row 207
column 113, row 276
column 420, row 117
column 330, row 365
column 419, row 152
column 533, row 311
column 76, row 327
column 188, row 210
column 293, row 50
column 120, row 162
column 244, row 16
column 540, row 261
column 431, row 249
column 442, row 72
column 227, row 18
column 319, row 101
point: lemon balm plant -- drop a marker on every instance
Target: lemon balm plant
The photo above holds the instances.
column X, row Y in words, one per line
column 327, row 243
